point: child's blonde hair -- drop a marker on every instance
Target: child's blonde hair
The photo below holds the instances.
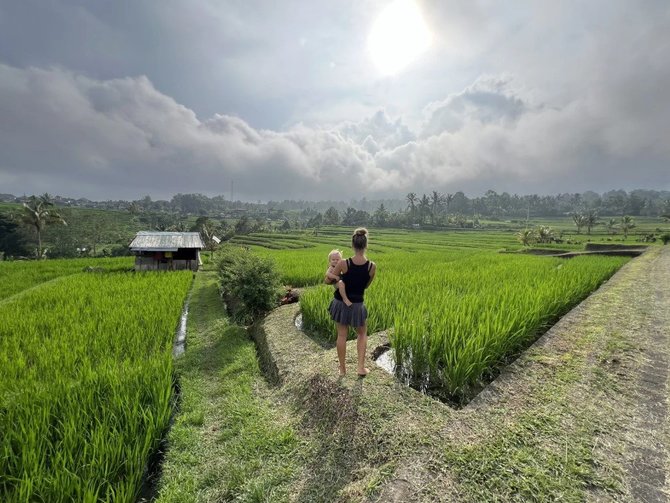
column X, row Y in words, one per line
column 334, row 251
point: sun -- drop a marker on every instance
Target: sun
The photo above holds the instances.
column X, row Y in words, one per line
column 398, row 36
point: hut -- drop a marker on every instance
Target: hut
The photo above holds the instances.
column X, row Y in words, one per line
column 166, row 251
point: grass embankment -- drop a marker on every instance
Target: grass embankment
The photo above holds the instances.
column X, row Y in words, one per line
column 230, row 440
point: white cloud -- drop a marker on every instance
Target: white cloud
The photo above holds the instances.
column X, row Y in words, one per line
column 70, row 134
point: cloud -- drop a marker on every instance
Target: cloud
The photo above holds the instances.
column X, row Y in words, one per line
column 71, row 134
column 489, row 99
column 122, row 137
column 378, row 132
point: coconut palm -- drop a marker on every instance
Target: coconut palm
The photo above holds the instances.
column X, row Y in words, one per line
column 37, row 213
column 544, row 234
column 424, row 207
column 612, row 225
column 627, row 223
column 436, row 201
column 526, row 237
column 447, row 201
column 580, row 221
column 411, row 204
column 590, row 220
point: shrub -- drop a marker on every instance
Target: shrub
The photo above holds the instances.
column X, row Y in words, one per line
column 665, row 238
column 249, row 284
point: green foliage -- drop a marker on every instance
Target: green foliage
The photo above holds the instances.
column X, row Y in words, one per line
column 665, row 238
column 86, row 384
column 249, row 283
column 526, row 237
column 13, row 241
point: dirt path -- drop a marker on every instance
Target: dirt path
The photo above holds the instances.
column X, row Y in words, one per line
column 581, row 415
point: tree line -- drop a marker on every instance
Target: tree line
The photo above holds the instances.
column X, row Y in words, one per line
column 639, row 202
column 22, row 234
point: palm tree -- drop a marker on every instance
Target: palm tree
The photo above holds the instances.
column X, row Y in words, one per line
column 411, row 203
column 447, row 200
column 580, row 221
column 37, row 213
column 627, row 223
column 134, row 208
column 526, row 237
column 612, row 225
column 590, row 220
column 424, row 207
column 544, row 234
column 435, row 205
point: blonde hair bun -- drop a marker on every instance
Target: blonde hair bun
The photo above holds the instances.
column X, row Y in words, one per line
column 361, row 231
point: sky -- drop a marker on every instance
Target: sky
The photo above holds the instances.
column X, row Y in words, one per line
column 332, row 99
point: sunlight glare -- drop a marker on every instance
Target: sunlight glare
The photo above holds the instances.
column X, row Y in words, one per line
column 398, row 36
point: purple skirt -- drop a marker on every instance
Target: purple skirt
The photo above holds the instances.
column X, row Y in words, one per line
column 353, row 316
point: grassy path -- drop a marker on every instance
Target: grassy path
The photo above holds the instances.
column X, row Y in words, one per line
column 230, row 440
column 580, row 416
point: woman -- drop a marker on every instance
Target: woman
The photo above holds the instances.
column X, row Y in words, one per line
column 357, row 273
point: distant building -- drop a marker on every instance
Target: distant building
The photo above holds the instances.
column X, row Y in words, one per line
column 166, row 251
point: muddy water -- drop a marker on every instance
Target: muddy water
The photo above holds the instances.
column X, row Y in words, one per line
column 180, row 337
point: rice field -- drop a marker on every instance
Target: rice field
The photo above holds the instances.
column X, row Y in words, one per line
column 85, row 382
column 455, row 308
column 21, row 275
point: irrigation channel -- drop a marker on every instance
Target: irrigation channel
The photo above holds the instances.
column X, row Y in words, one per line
column 180, row 337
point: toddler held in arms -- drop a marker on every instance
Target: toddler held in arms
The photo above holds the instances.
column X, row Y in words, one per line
column 333, row 258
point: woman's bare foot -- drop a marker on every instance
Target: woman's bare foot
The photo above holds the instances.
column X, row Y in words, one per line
column 343, row 372
column 348, row 303
column 363, row 373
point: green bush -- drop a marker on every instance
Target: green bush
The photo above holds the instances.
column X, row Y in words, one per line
column 249, row 284
column 665, row 238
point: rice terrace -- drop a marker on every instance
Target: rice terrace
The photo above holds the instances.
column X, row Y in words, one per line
column 383, row 251
column 470, row 407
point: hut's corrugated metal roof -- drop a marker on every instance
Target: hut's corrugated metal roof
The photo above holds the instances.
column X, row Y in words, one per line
column 165, row 241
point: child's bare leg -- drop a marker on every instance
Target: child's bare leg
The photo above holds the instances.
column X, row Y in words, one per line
column 342, row 347
column 343, row 292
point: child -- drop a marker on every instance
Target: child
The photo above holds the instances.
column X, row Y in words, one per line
column 333, row 258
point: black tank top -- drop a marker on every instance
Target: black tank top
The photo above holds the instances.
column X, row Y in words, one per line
column 355, row 280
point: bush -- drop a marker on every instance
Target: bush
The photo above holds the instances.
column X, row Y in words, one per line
column 665, row 238
column 249, row 284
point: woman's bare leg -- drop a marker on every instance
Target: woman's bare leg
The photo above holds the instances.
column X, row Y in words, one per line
column 342, row 346
column 361, row 346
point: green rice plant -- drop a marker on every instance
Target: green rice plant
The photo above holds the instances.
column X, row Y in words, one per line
column 457, row 309
column 456, row 316
column 16, row 276
column 86, row 384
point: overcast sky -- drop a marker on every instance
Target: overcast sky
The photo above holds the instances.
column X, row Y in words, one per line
column 118, row 99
